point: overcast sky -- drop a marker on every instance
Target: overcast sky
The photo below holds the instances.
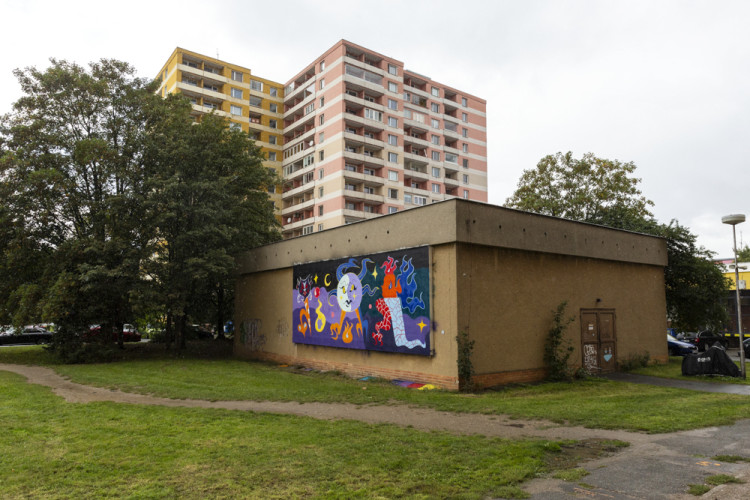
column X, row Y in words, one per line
column 665, row 84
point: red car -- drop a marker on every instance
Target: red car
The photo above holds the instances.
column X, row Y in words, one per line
column 129, row 333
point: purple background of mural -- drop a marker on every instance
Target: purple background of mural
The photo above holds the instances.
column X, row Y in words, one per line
column 325, row 311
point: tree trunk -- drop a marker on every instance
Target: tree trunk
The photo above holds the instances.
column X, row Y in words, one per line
column 168, row 331
column 220, row 311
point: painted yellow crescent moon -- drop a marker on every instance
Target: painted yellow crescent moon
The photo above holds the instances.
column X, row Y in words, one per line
column 325, row 280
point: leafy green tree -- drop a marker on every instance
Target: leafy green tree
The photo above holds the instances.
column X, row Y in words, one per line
column 604, row 192
column 72, row 179
column 115, row 202
column 743, row 254
column 209, row 201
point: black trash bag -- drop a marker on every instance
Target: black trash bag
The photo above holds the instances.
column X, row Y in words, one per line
column 715, row 361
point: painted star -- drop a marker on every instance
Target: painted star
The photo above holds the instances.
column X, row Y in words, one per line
column 375, row 273
column 421, row 325
column 316, row 279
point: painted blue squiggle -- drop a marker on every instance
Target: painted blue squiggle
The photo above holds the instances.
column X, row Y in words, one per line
column 344, row 267
column 409, row 287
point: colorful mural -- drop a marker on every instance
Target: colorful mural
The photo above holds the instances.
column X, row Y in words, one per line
column 380, row 302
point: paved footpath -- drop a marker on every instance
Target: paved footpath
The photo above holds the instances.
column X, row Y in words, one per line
column 657, row 466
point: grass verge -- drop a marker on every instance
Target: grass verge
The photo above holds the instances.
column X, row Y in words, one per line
column 595, row 403
column 52, row 449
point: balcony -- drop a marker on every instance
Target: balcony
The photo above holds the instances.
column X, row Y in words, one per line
column 297, row 205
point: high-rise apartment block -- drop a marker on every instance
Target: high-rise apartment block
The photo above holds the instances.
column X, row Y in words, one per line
column 355, row 135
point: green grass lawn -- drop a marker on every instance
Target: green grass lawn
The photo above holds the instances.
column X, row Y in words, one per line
column 673, row 369
column 595, row 403
column 53, row 449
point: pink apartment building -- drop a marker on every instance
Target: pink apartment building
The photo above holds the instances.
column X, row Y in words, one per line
column 364, row 137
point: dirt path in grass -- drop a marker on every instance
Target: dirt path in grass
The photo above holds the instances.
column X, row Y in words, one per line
column 398, row 414
column 657, row 466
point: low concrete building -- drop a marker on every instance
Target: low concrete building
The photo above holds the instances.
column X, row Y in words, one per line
column 389, row 296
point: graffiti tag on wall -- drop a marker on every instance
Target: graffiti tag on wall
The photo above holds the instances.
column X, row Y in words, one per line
column 590, row 357
column 250, row 334
column 379, row 302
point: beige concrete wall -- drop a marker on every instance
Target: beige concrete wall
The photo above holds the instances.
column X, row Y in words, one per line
column 496, row 273
column 507, row 298
column 264, row 301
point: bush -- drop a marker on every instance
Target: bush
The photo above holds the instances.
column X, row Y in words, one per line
column 635, row 360
column 557, row 349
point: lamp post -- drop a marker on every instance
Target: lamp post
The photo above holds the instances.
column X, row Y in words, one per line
column 733, row 220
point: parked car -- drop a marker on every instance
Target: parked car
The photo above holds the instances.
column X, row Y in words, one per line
column 679, row 348
column 129, row 333
column 746, row 346
column 28, row 335
column 706, row 339
column 686, row 336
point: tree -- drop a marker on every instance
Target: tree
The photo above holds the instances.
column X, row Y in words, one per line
column 72, row 179
column 209, row 201
column 603, row 192
column 590, row 189
column 743, row 254
column 115, row 202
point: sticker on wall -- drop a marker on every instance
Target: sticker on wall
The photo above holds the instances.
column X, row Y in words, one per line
column 378, row 302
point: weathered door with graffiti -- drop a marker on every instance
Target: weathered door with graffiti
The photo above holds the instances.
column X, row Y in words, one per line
column 598, row 341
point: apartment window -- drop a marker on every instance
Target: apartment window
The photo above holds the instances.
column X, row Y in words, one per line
column 465, row 132
column 392, row 175
column 466, row 178
column 435, row 123
column 435, row 139
column 392, row 121
column 321, row 155
column 307, row 230
column 350, row 168
column 349, row 206
column 435, row 172
column 321, row 173
column 322, row 101
column 464, row 102
column 369, row 171
column 369, row 190
column 465, row 147
column 235, row 110
column 236, row 93
column 271, row 139
column 420, row 200
column 464, row 117
column 320, row 227
column 322, row 83
column 273, row 108
column 466, row 194
column 407, row 198
column 350, row 187
column 321, row 136
column 436, row 155
column 391, row 69
column 392, row 104
column 435, row 107
column 466, row 162
column 392, row 140
column 371, row 114
column 451, row 158
column 272, row 123
column 436, row 91
column 309, row 108
column 256, row 85
column 308, row 160
column 393, row 194
column 272, row 189
column 321, row 119
column 320, row 210
column 322, row 65
column 320, row 192
column 436, row 188
column 272, row 156
column 393, row 157
column 235, row 126
column 392, row 210
column 392, row 87
column 236, row 76
column 256, row 102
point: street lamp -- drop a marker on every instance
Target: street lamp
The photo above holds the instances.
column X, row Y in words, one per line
column 733, row 220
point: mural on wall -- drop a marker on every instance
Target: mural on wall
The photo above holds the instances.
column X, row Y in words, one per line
column 377, row 302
